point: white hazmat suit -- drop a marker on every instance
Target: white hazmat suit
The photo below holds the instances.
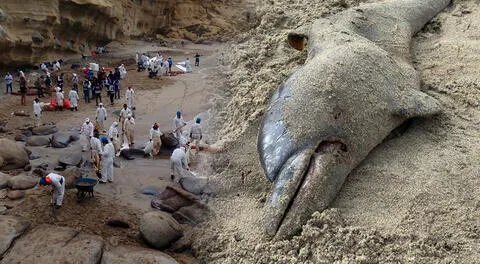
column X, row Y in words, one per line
column 179, row 162
column 101, row 117
column 85, row 133
column 108, row 154
column 58, row 183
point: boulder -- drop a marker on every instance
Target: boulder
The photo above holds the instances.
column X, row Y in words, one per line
column 60, row 140
column 74, row 137
column 128, row 255
column 130, row 153
column 159, row 229
column 150, row 191
column 195, row 185
column 55, row 244
column 12, row 155
column 3, row 210
column 169, row 140
column 21, row 138
column 22, row 182
column 43, row 166
column 72, row 159
column 27, row 133
column 170, row 204
column 28, row 167
column 192, row 215
column 34, row 156
column 11, row 227
column 3, row 193
column 71, row 174
column 44, row 130
column 4, row 180
column 15, row 194
column 37, row 141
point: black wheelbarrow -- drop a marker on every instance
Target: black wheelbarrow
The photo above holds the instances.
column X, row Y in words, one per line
column 85, row 188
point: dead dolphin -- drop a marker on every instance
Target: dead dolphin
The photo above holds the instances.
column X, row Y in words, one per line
column 356, row 86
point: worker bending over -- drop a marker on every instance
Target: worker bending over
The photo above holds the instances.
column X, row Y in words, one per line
column 179, row 163
column 58, row 183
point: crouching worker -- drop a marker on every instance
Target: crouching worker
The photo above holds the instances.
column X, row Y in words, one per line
column 58, row 183
column 178, row 163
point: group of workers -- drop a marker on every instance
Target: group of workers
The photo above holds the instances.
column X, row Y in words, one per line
column 104, row 144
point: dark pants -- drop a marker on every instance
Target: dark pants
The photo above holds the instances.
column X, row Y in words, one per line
column 197, row 62
column 111, row 97
column 9, row 86
column 98, row 97
column 117, row 94
column 40, row 92
column 86, row 96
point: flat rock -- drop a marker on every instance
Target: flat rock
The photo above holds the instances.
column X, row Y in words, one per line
column 11, row 227
column 34, row 156
column 159, row 229
column 21, row 138
column 72, row 159
column 13, row 155
column 195, row 185
column 74, row 137
column 192, row 215
column 130, row 255
column 44, row 130
column 55, row 244
column 150, row 191
column 43, row 166
column 3, row 193
column 170, row 204
column 71, row 174
column 131, row 153
column 37, row 141
column 60, row 140
column 15, row 194
column 22, row 182
column 27, row 133
column 4, row 180
column 3, row 210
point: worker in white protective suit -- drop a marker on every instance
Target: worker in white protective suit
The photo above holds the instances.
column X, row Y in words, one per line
column 129, row 129
column 123, row 71
column 101, row 117
column 37, row 111
column 108, row 154
column 113, row 135
column 179, row 163
column 73, row 95
column 155, row 135
column 86, row 132
column 58, row 183
column 196, row 134
column 130, row 95
column 96, row 148
column 60, row 98
column 188, row 65
column 178, row 124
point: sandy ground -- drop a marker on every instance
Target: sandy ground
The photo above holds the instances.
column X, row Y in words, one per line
column 413, row 200
column 157, row 100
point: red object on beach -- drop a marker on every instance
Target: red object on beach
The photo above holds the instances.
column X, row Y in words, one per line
column 66, row 104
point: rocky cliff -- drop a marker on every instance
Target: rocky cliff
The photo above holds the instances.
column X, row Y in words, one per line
column 35, row 30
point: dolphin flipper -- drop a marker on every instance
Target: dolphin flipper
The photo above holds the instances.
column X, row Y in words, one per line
column 416, row 104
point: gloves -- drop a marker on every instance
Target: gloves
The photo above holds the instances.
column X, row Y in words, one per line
column 36, row 115
column 201, row 137
column 105, row 118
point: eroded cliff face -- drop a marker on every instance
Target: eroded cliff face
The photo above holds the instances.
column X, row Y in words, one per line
column 36, row 30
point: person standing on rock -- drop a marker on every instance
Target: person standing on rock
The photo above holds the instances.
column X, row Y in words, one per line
column 38, row 86
column 95, row 148
column 130, row 95
column 58, row 183
column 129, row 129
column 101, row 117
column 60, row 98
column 196, row 134
column 23, row 89
column 86, row 132
column 108, row 154
column 8, row 83
column 73, row 95
column 178, row 163
column 87, row 85
column 155, row 135
column 113, row 136
column 188, row 65
column 197, row 60
column 37, row 111
column 170, row 64
column 178, row 125
column 75, row 81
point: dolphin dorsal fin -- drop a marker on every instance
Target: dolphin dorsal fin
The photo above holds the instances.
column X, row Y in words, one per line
column 414, row 103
